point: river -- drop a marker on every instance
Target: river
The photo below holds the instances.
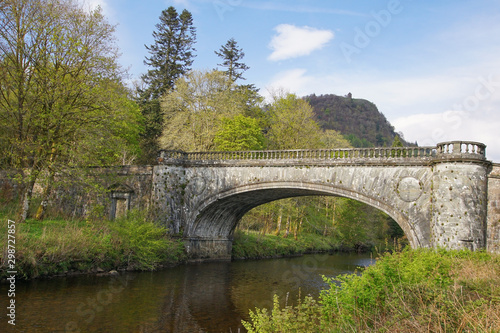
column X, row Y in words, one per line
column 205, row 297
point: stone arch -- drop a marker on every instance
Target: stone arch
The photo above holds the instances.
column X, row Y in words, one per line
column 217, row 216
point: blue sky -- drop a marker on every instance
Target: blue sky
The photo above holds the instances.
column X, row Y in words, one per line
column 431, row 67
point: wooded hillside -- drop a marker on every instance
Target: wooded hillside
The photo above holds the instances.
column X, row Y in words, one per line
column 358, row 120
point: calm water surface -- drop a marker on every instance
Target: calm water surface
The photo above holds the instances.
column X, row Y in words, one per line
column 208, row 297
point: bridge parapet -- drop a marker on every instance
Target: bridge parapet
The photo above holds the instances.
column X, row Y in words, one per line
column 461, row 150
column 452, row 150
column 359, row 155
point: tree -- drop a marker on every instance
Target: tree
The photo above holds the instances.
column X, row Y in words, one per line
column 195, row 109
column 292, row 124
column 332, row 139
column 397, row 142
column 239, row 133
column 171, row 57
column 350, row 223
column 59, row 78
column 230, row 54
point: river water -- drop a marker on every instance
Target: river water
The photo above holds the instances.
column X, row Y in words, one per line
column 205, row 297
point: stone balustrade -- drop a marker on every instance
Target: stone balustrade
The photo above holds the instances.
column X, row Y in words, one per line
column 445, row 150
column 461, row 149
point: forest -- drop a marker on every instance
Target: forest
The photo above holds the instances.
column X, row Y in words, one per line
column 65, row 104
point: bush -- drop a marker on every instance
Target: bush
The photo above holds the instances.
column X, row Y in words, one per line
column 143, row 244
column 412, row 291
column 303, row 318
column 59, row 246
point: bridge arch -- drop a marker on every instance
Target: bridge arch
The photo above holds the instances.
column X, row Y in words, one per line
column 217, row 216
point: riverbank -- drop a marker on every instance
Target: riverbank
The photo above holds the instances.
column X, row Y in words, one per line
column 58, row 247
column 411, row 291
column 255, row 245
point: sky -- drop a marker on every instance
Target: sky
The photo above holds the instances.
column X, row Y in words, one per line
column 431, row 67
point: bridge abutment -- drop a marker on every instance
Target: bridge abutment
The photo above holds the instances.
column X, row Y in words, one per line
column 459, row 196
column 209, row 249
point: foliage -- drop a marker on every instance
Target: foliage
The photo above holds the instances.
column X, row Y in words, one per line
column 239, row 133
column 172, row 51
column 292, row 124
column 301, row 318
column 412, row 291
column 230, row 53
column 397, row 142
column 195, row 110
column 61, row 88
column 332, row 139
column 171, row 57
column 58, row 246
column 251, row 244
column 357, row 142
column 358, row 119
column 351, row 225
column 143, row 243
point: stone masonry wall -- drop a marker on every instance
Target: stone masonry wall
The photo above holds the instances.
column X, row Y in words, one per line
column 91, row 192
column 493, row 228
column 116, row 188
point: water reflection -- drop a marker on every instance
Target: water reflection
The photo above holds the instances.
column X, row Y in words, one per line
column 210, row 297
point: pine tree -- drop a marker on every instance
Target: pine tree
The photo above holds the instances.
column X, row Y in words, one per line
column 230, row 53
column 171, row 57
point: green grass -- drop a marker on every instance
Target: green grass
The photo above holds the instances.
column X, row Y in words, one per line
column 248, row 244
column 57, row 246
column 411, row 291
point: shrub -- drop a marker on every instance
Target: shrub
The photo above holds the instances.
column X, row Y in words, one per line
column 59, row 246
column 412, row 291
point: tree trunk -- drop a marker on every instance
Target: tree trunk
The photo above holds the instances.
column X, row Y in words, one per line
column 45, row 197
column 287, row 227
column 26, row 201
column 279, row 224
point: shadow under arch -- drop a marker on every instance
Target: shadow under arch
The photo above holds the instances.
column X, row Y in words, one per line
column 217, row 216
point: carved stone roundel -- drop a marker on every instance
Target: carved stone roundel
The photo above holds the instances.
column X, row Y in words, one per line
column 409, row 189
column 197, row 185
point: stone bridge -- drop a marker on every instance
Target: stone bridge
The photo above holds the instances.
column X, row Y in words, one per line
column 438, row 195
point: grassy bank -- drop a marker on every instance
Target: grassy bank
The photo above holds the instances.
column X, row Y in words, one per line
column 254, row 245
column 411, row 291
column 58, row 246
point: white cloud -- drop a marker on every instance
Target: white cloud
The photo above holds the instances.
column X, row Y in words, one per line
column 291, row 81
column 292, row 41
column 93, row 4
column 429, row 129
